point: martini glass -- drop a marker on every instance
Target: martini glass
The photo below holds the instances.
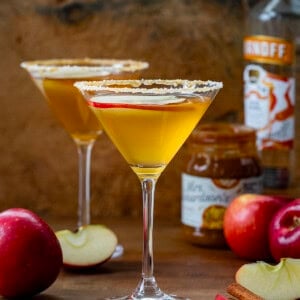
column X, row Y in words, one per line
column 55, row 78
column 148, row 121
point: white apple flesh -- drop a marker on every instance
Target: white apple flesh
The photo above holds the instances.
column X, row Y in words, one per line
column 89, row 246
column 272, row 282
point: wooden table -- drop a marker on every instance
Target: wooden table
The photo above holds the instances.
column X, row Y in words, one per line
column 180, row 268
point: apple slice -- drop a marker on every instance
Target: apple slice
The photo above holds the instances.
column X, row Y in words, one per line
column 89, row 246
column 272, row 282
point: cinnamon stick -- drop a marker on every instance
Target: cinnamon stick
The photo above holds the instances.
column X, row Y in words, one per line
column 241, row 293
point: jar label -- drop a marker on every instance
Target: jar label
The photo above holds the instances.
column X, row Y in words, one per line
column 268, row 49
column 269, row 103
column 204, row 200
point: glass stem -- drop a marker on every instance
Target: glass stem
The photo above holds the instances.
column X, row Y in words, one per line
column 84, row 166
column 148, row 286
column 148, row 188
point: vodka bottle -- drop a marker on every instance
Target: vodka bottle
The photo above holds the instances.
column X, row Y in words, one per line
column 269, row 87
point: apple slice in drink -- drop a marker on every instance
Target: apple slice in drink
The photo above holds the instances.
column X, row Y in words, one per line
column 89, row 246
column 141, row 102
column 272, row 282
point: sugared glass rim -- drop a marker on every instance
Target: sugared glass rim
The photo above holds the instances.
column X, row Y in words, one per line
column 143, row 86
column 81, row 67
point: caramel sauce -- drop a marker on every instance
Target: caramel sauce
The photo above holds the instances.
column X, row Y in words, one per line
column 223, row 162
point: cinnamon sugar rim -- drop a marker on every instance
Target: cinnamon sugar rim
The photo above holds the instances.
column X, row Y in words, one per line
column 168, row 86
column 78, row 66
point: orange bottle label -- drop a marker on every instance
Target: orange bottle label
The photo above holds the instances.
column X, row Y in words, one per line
column 267, row 49
column 269, row 106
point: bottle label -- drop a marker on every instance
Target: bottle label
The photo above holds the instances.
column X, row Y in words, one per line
column 269, row 103
column 268, row 49
column 204, row 200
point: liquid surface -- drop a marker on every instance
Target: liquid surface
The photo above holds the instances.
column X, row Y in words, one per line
column 70, row 108
column 56, row 78
column 148, row 130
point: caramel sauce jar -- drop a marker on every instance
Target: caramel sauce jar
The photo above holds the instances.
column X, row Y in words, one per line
column 222, row 162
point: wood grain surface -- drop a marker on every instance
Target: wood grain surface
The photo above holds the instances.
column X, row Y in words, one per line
column 194, row 39
column 180, row 268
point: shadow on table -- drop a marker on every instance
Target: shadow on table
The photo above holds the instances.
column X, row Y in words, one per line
column 113, row 266
column 40, row 297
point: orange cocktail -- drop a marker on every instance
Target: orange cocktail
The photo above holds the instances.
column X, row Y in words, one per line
column 145, row 128
column 55, row 78
column 148, row 121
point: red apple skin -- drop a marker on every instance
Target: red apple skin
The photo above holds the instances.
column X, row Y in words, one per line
column 246, row 224
column 30, row 254
column 284, row 232
column 220, row 297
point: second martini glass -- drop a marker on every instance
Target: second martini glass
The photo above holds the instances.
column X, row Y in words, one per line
column 148, row 121
column 55, row 79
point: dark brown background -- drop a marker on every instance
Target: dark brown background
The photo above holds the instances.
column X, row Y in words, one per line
column 193, row 39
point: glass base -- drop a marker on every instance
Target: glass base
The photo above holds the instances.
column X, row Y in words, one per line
column 148, row 289
column 161, row 297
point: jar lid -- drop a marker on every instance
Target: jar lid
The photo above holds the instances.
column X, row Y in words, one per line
column 211, row 133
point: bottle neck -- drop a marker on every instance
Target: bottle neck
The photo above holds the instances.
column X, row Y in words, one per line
column 272, row 18
column 272, row 6
column 274, row 9
column 289, row 8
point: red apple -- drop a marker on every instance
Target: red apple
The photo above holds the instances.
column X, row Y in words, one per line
column 220, row 297
column 30, row 254
column 284, row 232
column 246, row 223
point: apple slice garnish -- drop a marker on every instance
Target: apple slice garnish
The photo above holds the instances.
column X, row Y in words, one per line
column 89, row 246
column 136, row 106
column 158, row 103
column 272, row 282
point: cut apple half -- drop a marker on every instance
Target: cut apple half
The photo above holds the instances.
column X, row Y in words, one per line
column 89, row 246
column 272, row 282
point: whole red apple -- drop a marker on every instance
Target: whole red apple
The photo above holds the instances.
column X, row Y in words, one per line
column 30, row 254
column 284, row 232
column 246, row 223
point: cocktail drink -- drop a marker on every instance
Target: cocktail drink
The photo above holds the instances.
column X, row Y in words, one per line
column 55, row 78
column 148, row 121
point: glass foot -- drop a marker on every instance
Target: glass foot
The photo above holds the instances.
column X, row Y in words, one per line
column 161, row 297
column 118, row 251
column 148, row 289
